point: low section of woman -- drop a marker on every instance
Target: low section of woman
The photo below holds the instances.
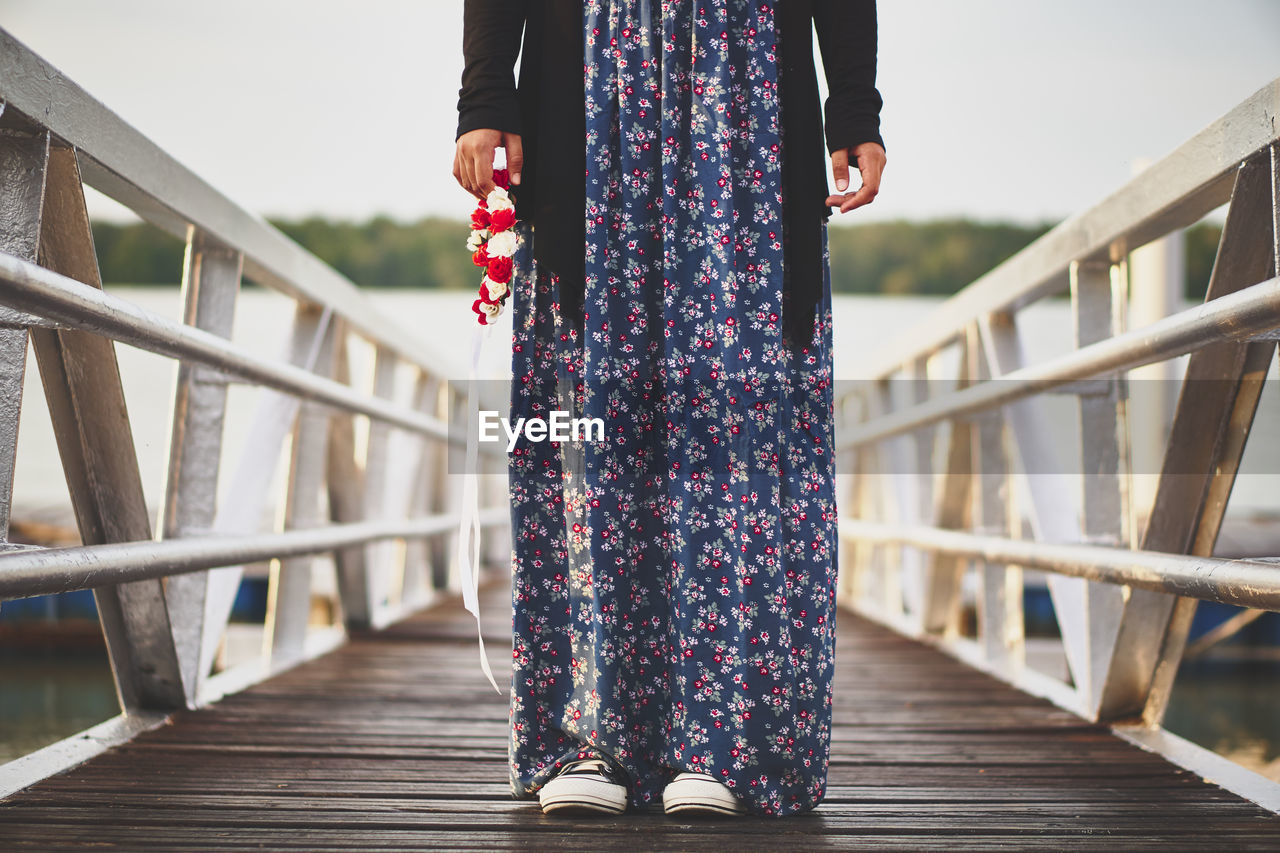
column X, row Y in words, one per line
column 674, row 581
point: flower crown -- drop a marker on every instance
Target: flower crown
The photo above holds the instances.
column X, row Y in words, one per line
column 492, row 244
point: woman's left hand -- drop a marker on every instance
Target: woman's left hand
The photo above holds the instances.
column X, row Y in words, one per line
column 870, row 159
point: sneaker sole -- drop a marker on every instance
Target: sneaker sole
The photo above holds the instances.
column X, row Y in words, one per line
column 586, row 797
column 695, row 796
column 696, row 806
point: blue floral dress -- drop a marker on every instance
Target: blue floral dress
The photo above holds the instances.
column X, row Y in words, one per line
column 674, row 580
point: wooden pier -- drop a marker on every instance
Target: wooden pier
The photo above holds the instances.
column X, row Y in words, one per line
column 395, row 741
column 373, row 729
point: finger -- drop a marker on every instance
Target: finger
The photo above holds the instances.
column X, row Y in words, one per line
column 470, row 159
column 457, row 169
column 840, row 168
column 865, row 195
column 515, row 156
column 464, row 166
column 482, row 164
column 871, row 165
column 870, row 168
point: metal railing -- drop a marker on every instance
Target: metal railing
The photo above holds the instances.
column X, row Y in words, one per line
column 961, row 454
column 164, row 603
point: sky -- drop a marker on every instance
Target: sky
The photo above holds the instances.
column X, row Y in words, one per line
column 1018, row 110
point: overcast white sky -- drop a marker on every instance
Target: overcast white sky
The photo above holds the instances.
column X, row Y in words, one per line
column 1011, row 109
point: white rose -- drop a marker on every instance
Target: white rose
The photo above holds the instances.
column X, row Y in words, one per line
column 496, row 288
column 491, row 309
column 474, row 241
column 503, row 244
column 498, row 199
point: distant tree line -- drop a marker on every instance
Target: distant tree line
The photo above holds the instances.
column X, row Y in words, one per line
column 935, row 257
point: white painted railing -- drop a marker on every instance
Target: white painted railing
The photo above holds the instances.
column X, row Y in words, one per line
column 164, row 601
column 957, row 482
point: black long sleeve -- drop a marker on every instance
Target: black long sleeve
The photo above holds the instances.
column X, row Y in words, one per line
column 847, row 35
column 545, row 107
column 491, row 32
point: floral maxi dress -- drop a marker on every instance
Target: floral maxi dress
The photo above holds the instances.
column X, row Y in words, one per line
column 674, row 578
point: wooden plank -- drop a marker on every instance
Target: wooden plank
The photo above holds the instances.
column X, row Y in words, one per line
column 361, row 749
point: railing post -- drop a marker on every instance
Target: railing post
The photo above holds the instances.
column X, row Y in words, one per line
column 86, row 404
column 1098, row 307
column 1051, row 489
column 1156, row 273
column 874, row 583
column 897, row 501
column 859, row 561
column 436, row 479
column 246, row 502
column 944, row 572
column 289, row 591
column 416, row 587
column 1001, row 627
column 378, row 555
column 346, row 490
column 848, row 503
column 210, row 285
column 24, row 155
column 494, row 492
column 447, row 499
column 918, row 507
column 1215, row 409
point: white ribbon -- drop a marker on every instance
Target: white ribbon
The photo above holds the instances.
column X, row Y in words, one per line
column 469, row 525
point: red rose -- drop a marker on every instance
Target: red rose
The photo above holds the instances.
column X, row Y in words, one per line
column 501, row 220
column 501, row 177
column 500, row 270
column 485, row 296
column 479, row 219
column 481, row 257
column 483, row 317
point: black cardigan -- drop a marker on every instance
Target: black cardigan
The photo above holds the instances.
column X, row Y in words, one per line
column 546, row 109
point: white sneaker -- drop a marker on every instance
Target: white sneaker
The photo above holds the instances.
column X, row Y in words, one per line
column 588, row 785
column 700, row 793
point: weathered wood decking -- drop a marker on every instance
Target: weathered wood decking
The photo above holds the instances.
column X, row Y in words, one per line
column 396, row 741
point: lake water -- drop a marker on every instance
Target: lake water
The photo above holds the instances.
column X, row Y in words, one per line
column 46, row 699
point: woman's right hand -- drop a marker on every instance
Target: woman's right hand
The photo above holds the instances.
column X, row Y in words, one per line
column 473, row 159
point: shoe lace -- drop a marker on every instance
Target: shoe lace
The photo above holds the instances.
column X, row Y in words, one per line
column 588, row 765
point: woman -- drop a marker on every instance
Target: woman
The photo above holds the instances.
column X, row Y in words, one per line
column 673, row 582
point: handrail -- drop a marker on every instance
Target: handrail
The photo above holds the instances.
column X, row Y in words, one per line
column 121, row 163
column 76, row 305
column 1244, row 583
column 1241, row 316
column 963, row 458
column 45, row 571
column 1172, row 193
column 164, row 603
